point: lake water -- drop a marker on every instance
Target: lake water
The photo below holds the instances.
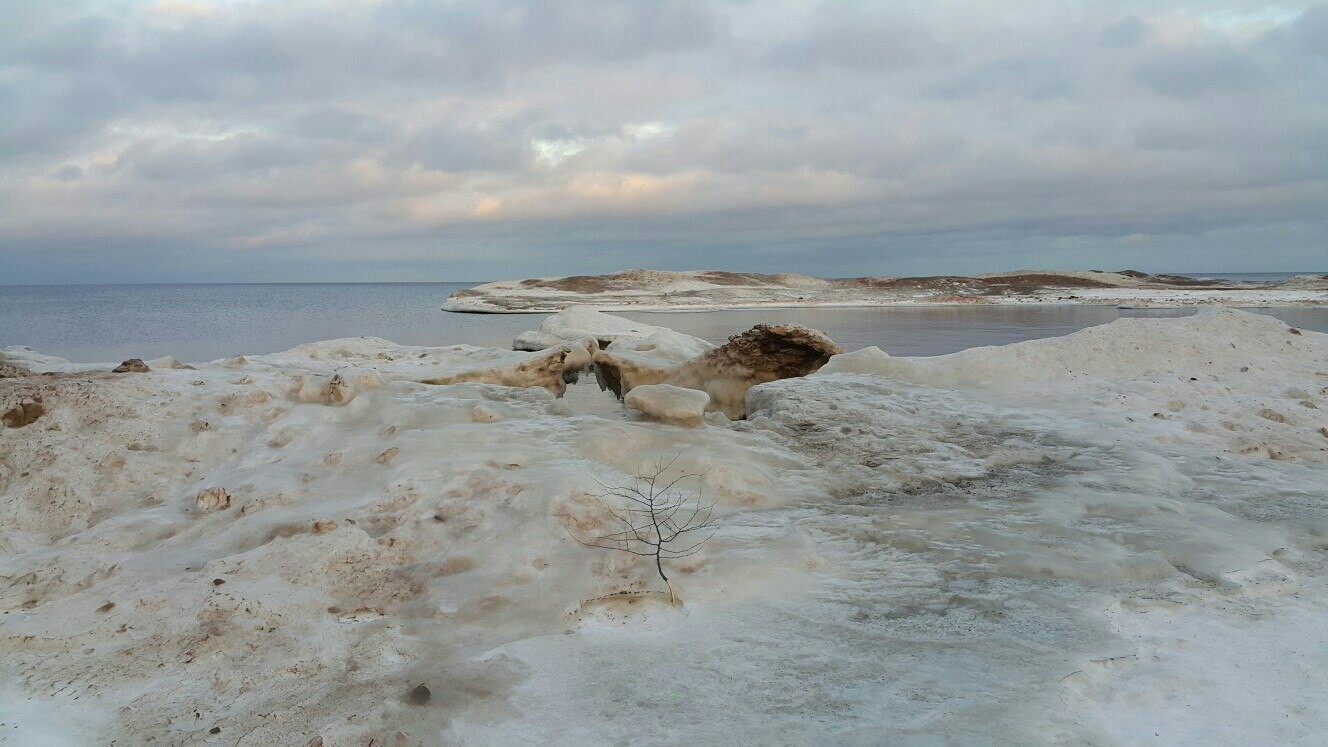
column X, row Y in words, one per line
column 109, row 323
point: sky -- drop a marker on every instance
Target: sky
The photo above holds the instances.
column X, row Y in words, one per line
column 398, row 140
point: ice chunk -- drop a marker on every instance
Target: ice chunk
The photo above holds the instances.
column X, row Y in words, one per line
column 669, row 404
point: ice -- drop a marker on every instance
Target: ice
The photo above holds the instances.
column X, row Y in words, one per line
column 1113, row 537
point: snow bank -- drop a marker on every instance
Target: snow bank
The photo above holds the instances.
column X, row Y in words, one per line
column 1213, row 341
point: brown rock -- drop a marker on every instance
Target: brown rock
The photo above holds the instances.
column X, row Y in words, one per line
column 133, row 365
column 213, row 499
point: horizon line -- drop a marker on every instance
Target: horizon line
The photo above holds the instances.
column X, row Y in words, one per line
column 477, row 282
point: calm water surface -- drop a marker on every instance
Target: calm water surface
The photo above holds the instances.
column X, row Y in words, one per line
column 205, row 322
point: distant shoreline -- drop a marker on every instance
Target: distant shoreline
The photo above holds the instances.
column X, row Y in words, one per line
column 1225, row 276
column 650, row 290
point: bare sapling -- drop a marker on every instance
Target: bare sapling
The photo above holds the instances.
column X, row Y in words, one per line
column 654, row 518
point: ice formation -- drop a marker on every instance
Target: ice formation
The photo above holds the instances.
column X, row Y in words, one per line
column 576, row 324
column 763, row 353
column 550, row 371
column 1115, row 537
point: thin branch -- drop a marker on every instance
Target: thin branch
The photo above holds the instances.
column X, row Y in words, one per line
column 655, row 514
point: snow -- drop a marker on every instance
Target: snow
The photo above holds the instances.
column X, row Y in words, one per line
column 1112, row 537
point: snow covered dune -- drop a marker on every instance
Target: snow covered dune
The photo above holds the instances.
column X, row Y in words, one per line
column 644, row 290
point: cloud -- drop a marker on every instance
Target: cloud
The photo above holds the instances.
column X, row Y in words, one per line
column 193, row 140
column 1187, row 73
column 857, row 37
column 1125, row 33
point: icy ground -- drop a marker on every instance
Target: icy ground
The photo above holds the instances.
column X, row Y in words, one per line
column 1115, row 537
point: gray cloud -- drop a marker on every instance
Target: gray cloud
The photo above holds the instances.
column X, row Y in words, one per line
column 402, row 139
column 862, row 38
column 1127, row 32
column 1186, row 73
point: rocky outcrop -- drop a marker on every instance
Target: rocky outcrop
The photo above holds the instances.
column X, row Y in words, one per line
column 133, row 365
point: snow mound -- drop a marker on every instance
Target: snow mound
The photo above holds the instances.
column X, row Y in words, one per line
column 1214, row 340
column 577, row 323
column 1229, row 380
column 25, row 357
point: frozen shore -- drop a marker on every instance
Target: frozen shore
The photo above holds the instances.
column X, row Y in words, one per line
column 649, row 290
column 1112, row 537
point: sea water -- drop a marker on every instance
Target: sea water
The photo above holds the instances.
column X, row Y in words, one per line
column 109, row 323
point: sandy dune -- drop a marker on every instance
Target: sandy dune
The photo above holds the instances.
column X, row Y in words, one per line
column 655, row 290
